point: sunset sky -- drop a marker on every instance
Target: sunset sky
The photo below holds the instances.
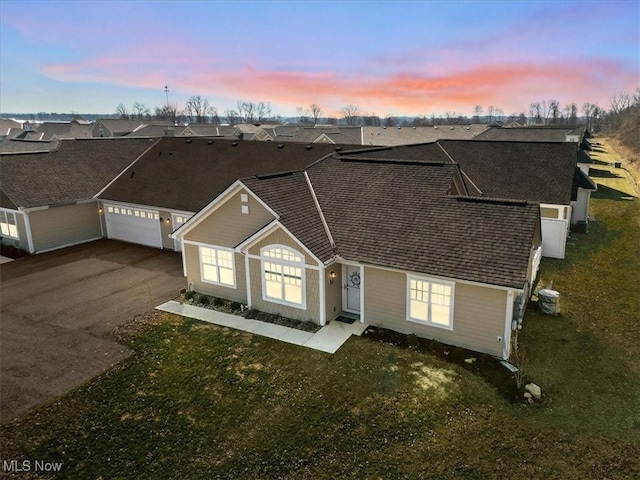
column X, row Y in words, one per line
column 387, row 58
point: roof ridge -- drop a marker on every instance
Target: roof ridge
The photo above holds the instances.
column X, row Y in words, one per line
column 391, row 161
column 317, row 204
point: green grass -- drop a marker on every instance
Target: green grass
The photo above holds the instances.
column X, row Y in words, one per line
column 199, row 401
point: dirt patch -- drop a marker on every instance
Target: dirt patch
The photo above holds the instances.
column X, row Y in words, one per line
column 485, row 366
column 142, row 323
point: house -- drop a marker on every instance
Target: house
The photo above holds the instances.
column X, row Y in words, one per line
column 405, row 135
column 397, row 243
column 59, row 130
column 47, row 198
column 115, row 127
column 541, row 172
column 6, row 126
column 534, row 133
column 180, row 175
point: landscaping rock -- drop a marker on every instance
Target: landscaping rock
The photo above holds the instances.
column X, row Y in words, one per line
column 527, row 395
column 470, row 360
column 534, row 390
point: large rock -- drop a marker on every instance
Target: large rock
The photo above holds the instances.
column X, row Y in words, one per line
column 534, row 390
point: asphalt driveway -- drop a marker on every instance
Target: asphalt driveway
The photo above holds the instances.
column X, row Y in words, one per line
column 58, row 310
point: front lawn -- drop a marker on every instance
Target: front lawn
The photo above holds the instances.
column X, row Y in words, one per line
column 200, row 401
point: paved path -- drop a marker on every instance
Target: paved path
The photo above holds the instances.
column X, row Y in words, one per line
column 58, row 310
column 328, row 339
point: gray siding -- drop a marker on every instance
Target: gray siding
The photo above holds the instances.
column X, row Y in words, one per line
column 479, row 312
column 57, row 227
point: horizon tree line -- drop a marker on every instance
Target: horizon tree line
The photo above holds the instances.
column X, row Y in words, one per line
column 197, row 109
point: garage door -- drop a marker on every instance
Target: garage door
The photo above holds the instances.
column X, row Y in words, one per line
column 133, row 225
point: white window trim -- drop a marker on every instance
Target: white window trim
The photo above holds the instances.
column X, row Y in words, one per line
column 233, row 265
column 301, row 265
column 8, row 212
column 430, row 281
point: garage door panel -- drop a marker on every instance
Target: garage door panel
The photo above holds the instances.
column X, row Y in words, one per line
column 133, row 225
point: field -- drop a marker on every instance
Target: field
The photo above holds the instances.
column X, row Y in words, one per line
column 199, row 401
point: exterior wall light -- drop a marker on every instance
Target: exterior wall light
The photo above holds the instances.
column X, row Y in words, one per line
column 332, row 276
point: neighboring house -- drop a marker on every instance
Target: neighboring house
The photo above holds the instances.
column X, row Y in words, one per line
column 541, row 172
column 60, row 130
column 6, row 127
column 179, row 176
column 114, row 127
column 397, row 243
column 47, row 199
column 408, row 135
column 208, row 130
column 534, row 133
column 17, row 145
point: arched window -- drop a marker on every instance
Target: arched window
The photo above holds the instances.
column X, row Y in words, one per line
column 283, row 276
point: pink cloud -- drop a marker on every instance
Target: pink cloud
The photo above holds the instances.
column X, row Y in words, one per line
column 509, row 86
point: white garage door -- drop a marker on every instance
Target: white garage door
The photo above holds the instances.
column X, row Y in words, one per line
column 133, row 225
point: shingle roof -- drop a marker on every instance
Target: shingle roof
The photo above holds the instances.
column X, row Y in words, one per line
column 187, row 173
column 527, row 134
column 534, row 171
column 402, row 217
column 6, row 124
column 407, row 135
column 18, row 145
column 289, row 195
column 61, row 130
column 581, row 180
column 76, row 170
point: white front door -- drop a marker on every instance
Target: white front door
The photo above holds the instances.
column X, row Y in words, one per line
column 352, row 289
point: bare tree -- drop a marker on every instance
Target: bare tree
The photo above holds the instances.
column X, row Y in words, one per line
column 246, row 111
column 263, row 111
column 121, row 111
column 477, row 113
column 140, row 110
column 232, row 117
column 302, row 115
column 168, row 112
column 491, row 112
column 198, row 109
column 554, row 110
column 620, row 101
column 351, row 114
column 316, row 111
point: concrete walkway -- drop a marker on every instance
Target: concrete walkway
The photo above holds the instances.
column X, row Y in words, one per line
column 5, row 259
column 328, row 339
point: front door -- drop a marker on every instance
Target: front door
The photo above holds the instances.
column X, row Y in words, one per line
column 352, row 289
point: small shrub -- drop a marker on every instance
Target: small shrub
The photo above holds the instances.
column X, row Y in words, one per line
column 190, row 295
column 203, row 299
column 218, row 302
column 235, row 306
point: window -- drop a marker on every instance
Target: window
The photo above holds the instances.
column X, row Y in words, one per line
column 217, row 266
column 430, row 302
column 8, row 224
column 283, row 276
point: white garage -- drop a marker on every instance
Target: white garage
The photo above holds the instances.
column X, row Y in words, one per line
column 133, row 225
